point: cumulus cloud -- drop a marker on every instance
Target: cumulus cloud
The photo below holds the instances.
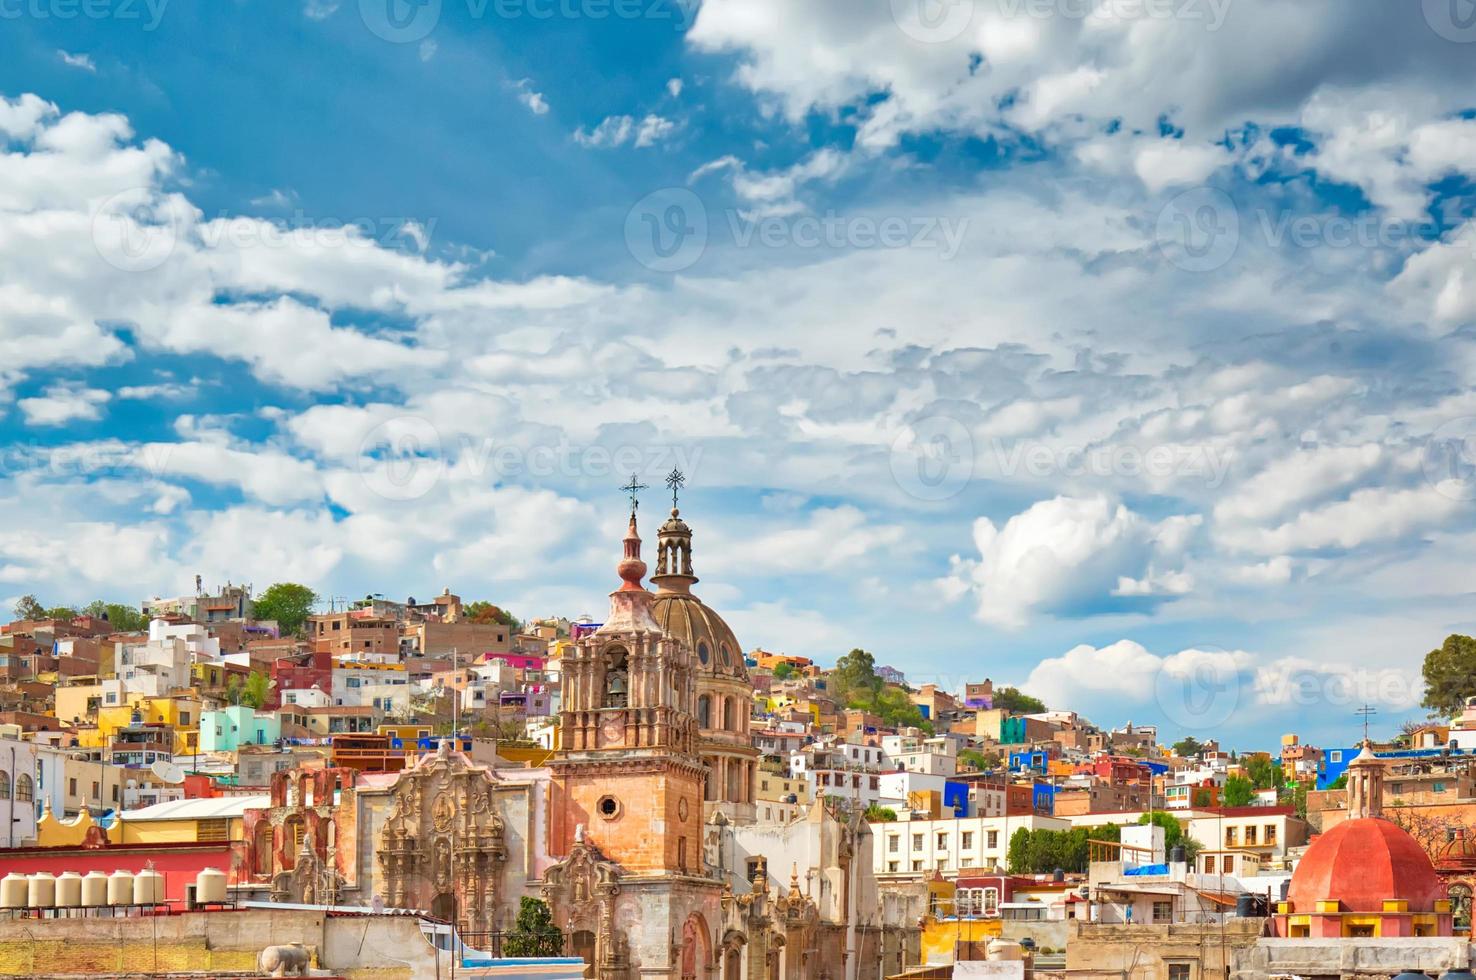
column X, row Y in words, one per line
column 63, row 404
column 1069, row 556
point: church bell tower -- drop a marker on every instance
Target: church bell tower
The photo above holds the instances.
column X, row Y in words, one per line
column 627, row 775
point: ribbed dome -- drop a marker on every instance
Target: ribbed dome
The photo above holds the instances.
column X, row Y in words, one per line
column 1360, row 863
column 711, row 640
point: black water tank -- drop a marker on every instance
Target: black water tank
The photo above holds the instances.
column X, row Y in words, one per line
column 1245, row 906
column 1178, row 855
column 1059, row 875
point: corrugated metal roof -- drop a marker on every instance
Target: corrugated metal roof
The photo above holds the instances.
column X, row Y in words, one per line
column 205, row 809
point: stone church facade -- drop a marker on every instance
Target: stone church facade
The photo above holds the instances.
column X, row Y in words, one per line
column 639, row 833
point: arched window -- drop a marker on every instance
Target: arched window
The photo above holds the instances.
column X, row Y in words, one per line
column 702, row 652
column 727, row 714
column 704, row 711
column 25, row 788
column 617, row 679
column 4, row 785
column 725, row 655
column 264, row 848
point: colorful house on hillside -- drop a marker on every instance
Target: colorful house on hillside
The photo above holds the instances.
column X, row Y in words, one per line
column 227, row 729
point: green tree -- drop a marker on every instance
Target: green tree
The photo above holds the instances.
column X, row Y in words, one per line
column 1202, row 797
column 1239, row 791
column 126, row 619
column 1263, row 773
column 1012, row 699
column 1043, row 851
column 256, row 689
column 60, row 612
column 483, row 611
column 534, row 932
column 784, row 671
column 876, row 813
column 1299, row 799
column 1173, row 833
column 28, row 607
column 854, row 678
column 288, row 603
column 1340, row 783
column 978, row 760
column 1450, row 675
column 233, row 688
column 1187, row 746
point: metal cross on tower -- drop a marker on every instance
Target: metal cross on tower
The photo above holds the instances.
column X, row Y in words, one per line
column 676, row 479
column 634, row 487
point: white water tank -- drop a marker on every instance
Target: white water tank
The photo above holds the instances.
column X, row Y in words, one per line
column 42, row 891
column 120, row 888
column 94, row 889
column 210, row 885
column 148, row 888
column 68, row 890
column 1004, row 949
column 14, row 889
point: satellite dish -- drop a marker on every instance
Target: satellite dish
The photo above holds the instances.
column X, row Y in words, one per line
column 168, row 772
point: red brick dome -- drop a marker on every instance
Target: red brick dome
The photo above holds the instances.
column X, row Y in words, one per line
column 1361, row 862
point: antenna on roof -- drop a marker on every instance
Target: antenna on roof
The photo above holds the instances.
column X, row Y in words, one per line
column 1367, row 711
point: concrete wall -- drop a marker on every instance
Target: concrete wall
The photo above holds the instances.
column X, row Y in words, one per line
column 1351, row 958
column 361, row 947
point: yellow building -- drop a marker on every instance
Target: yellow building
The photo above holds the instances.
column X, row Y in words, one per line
column 945, row 935
column 187, row 821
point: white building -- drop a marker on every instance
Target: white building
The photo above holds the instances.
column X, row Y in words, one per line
column 162, row 662
column 31, row 775
column 912, row 848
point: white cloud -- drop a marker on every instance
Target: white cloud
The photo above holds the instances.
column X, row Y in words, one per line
column 79, row 60
column 1065, row 554
column 532, row 99
column 63, row 404
column 616, row 131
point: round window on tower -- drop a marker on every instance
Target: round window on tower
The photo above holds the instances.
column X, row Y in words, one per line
column 702, row 653
column 609, row 807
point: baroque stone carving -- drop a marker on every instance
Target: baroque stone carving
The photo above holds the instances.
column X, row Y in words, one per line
column 443, row 847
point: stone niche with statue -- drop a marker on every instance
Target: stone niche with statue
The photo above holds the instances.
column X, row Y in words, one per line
column 443, row 846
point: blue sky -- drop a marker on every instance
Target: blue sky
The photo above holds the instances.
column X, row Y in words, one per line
column 1118, row 350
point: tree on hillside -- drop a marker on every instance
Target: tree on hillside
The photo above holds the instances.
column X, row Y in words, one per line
column 534, row 932
column 255, row 690
column 1187, row 746
column 1238, row 791
column 483, row 611
column 28, row 607
column 1450, row 675
column 1012, row 699
column 1263, row 773
column 876, row 813
column 64, row 613
column 978, row 760
column 854, row 677
column 288, row 603
column 783, row 671
column 124, row 619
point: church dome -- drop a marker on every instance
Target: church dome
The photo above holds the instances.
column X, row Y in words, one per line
column 1361, row 863
column 686, row 617
column 711, row 640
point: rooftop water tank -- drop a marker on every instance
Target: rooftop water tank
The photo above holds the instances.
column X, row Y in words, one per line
column 13, row 891
column 42, row 892
column 94, row 889
column 68, row 890
column 148, row 887
column 120, row 888
column 210, row 885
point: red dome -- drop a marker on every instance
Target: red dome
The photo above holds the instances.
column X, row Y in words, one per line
column 1362, row 862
